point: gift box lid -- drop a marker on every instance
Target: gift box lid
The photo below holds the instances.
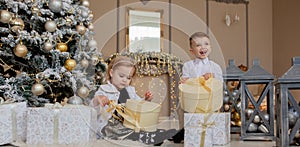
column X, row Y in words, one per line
column 142, row 106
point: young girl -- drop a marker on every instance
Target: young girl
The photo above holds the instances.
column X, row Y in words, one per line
column 120, row 72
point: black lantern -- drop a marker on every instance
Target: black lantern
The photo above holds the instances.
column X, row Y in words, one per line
column 288, row 110
column 257, row 94
column 232, row 93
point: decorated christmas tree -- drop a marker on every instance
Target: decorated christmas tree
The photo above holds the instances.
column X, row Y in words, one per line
column 47, row 52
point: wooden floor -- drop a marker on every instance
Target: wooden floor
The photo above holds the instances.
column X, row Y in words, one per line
column 235, row 142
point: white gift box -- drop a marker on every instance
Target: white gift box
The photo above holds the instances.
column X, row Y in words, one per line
column 219, row 123
column 197, row 136
column 71, row 124
column 12, row 122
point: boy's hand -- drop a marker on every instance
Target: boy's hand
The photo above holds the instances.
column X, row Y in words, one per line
column 182, row 80
column 148, row 96
column 208, row 75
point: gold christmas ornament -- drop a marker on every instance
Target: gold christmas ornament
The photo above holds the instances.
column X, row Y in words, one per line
column 37, row 89
column 17, row 25
column 63, row 47
column 81, row 29
column 50, row 26
column 70, row 64
column 83, row 92
column 20, row 50
column 5, row 16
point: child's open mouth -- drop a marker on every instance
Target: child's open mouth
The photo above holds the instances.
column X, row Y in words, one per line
column 203, row 53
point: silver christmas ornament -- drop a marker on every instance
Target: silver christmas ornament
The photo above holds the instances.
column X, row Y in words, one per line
column 92, row 43
column 55, row 5
column 83, row 92
column 5, row 16
column 225, row 92
column 252, row 127
column 91, row 26
column 50, row 26
column 37, row 89
column 266, row 117
column 48, row 46
column 249, row 112
column 85, row 3
column 256, row 119
column 75, row 100
column 84, row 63
column 263, row 128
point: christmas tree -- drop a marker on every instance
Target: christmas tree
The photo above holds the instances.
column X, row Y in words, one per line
column 47, row 51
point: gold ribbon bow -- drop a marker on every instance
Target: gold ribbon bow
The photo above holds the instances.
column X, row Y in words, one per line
column 127, row 114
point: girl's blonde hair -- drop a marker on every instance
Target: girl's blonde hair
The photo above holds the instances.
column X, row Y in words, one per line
column 121, row 61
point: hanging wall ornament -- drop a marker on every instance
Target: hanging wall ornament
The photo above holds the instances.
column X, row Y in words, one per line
column 20, row 50
column 50, row 26
column 55, row 5
column 83, row 92
column 37, row 89
column 5, row 16
column 16, row 25
column 70, row 64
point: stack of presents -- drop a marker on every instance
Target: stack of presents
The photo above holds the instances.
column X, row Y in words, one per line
column 70, row 124
column 204, row 125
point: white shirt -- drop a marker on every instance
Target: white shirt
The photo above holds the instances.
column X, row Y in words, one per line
column 112, row 93
column 198, row 67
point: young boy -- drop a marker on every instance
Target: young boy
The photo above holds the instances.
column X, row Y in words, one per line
column 200, row 66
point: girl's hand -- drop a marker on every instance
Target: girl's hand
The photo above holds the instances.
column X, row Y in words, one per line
column 102, row 100
column 148, row 96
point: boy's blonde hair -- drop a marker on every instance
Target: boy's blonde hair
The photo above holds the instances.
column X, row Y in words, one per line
column 197, row 35
column 121, row 61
